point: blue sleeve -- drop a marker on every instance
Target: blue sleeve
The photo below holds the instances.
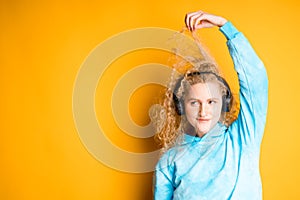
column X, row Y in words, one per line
column 163, row 176
column 253, row 82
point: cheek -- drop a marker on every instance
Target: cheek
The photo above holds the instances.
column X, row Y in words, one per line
column 191, row 114
column 190, row 111
column 216, row 115
column 217, row 110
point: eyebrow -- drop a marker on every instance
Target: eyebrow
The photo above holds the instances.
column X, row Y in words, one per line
column 213, row 98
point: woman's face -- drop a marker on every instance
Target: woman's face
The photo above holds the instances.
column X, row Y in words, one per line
column 203, row 105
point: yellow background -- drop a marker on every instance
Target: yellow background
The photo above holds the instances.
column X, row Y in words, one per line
column 44, row 43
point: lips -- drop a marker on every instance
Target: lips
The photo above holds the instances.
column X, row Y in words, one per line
column 203, row 120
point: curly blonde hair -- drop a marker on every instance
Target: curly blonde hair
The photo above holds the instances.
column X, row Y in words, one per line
column 172, row 125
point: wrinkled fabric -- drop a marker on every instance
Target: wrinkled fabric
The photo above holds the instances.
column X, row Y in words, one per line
column 224, row 163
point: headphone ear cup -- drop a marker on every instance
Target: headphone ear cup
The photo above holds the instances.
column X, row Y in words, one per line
column 226, row 104
column 227, row 98
column 179, row 108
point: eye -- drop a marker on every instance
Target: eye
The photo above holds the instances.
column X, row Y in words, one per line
column 194, row 103
column 212, row 102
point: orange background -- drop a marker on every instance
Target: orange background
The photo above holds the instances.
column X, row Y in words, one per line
column 44, row 43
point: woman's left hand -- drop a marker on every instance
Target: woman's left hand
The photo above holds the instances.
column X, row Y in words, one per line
column 200, row 19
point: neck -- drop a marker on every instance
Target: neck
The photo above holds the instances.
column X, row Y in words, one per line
column 190, row 130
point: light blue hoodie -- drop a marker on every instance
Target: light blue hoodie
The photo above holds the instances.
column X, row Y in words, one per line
column 224, row 163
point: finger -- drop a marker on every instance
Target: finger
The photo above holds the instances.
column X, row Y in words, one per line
column 203, row 21
column 198, row 22
column 186, row 20
column 204, row 24
column 189, row 19
column 193, row 20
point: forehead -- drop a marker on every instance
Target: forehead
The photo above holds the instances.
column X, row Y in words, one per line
column 204, row 90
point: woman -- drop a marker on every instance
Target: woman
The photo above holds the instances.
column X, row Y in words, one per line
column 205, row 156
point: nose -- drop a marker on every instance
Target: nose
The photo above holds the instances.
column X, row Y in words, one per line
column 202, row 110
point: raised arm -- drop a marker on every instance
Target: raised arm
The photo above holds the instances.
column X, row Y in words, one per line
column 253, row 83
column 252, row 76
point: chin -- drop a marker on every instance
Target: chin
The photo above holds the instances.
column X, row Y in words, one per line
column 203, row 130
